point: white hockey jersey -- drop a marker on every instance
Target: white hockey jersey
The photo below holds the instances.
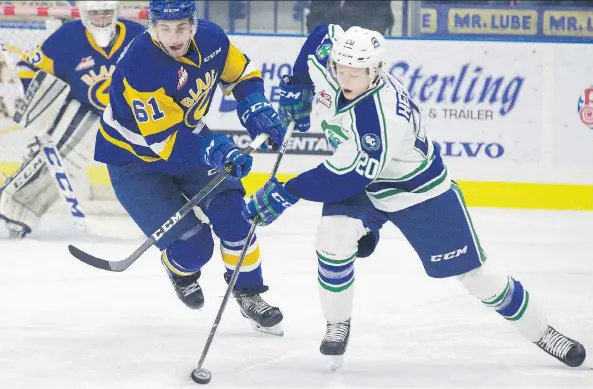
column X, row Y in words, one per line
column 380, row 141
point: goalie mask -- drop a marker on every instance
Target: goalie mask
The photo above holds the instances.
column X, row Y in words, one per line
column 99, row 18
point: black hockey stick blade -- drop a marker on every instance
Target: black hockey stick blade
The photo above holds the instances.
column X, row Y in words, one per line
column 98, row 262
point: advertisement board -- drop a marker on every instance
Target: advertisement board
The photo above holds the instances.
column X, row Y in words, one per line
column 509, row 22
column 514, row 119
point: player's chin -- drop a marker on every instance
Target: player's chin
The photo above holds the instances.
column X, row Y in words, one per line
column 176, row 51
column 349, row 94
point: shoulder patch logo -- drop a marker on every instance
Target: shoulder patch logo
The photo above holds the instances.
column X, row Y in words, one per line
column 371, row 142
column 86, row 63
column 323, row 51
column 182, row 74
column 324, row 98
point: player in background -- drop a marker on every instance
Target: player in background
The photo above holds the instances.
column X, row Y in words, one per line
column 384, row 168
column 159, row 151
column 82, row 53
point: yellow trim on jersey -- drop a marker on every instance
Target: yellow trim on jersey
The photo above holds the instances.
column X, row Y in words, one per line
column 116, row 46
column 172, row 113
column 254, row 73
column 125, row 146
column 43, row 63
column 234, row 66
column 26, row 74
column 168, row 149
column 250, row 259
column 188, row 61
column 171, row 267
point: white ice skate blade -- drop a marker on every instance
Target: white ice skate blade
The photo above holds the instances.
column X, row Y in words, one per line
column 274, row 330
column 335, row 362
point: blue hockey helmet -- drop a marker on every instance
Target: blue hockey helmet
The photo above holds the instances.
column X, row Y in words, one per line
column 172, row 10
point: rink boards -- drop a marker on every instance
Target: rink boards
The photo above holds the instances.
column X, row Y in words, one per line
column 514, row 120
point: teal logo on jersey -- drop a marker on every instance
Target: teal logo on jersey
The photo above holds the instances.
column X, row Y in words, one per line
column 334, row 134
column 323, row 51
column 371, row 142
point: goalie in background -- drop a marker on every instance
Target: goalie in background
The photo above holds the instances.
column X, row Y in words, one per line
column 83, row 54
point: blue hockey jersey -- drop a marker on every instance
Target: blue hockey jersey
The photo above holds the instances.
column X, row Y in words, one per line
column 72, row 55
column 157, row 103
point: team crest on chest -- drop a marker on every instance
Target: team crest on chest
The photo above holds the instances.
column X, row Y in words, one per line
column 182, row 74
column 334, row 134
column 198, row 101
column 85, row 63
column 98, row 86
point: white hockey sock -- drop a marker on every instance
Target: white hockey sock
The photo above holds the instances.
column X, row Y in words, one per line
column 506, row 296
column 336, row 287
column 337, row 248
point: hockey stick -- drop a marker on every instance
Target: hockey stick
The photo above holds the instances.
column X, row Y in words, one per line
column 203, row 376
column 122, row 265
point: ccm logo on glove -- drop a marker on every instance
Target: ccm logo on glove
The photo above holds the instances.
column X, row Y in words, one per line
column 290, row 95
column 254, row 108
column 276, row 196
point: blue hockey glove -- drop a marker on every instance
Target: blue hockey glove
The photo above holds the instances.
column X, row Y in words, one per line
column 296, row 103
column 218, row 151
column 258, row 116
column 268, row 203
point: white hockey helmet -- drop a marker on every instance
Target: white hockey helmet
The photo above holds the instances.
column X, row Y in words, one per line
column 360, row 48
column 101, row 28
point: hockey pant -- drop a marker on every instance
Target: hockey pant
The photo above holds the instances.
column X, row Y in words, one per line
column 442, row 234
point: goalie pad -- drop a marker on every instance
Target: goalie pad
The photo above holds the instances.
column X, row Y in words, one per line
column 31, row 190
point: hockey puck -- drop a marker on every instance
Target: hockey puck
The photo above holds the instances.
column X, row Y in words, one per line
column 201, row 376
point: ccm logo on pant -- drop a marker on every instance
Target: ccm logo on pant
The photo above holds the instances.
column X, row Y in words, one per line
column 447, row 256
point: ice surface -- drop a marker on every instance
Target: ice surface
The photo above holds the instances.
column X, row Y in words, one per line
column 64, row 324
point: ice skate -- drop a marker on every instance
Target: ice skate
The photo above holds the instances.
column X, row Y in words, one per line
column 335, row 342
column 262, row 316
column 188, row 289
column 566, row 350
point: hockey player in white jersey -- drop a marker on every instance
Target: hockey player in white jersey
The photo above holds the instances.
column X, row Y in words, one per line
column 384, row 168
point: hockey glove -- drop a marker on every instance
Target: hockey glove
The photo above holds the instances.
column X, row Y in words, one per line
column 268, row 203
column 296, row 103
column 218, row 151
column 258, row 116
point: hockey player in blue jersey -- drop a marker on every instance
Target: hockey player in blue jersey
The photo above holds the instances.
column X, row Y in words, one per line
column 384, row 169
column 81, row 53
column 159, row 150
